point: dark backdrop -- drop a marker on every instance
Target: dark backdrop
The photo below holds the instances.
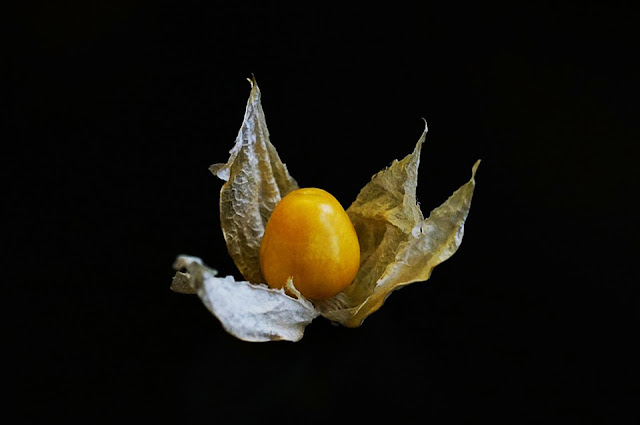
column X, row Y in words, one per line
column 118, row 108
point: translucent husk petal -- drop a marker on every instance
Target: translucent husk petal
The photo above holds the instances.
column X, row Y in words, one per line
column 402, row 254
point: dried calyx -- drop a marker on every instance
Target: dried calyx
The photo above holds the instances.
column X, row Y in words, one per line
column 398, row 245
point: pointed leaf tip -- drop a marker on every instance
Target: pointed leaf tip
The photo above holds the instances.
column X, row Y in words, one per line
column 475, row 168
column 426, row 127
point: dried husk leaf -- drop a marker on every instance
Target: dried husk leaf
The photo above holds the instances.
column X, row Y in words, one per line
column 256, row 180
column 397, row 246
column 251, row 312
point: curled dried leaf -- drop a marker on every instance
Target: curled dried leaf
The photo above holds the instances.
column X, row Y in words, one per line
column 398, row 246
column 251, row 312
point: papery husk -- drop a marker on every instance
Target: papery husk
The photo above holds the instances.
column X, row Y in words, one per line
column 398, row 246
column 251, row 312
column 256, row 180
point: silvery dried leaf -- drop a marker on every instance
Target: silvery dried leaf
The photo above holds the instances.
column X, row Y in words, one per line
column 256, row 180
column 398, row 246
column 251, row 312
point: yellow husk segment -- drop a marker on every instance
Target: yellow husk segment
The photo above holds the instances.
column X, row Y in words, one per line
column 406, row 252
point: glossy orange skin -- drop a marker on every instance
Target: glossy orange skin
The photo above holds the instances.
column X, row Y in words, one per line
column 309, row 236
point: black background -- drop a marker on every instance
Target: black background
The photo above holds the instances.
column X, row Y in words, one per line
column 118, row 108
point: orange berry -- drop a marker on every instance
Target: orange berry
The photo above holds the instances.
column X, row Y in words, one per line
column 309, row 237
